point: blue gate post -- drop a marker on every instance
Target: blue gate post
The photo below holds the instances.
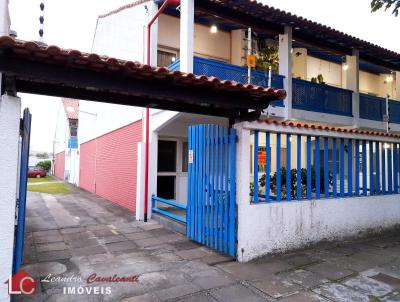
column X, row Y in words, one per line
column 20, row 230
column 232, row 208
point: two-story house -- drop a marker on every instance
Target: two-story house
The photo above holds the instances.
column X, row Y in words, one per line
column 331, row 79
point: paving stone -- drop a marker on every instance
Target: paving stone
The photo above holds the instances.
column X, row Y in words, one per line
column 160, row 232
column 167, row 257
column 339, row 292
column 48, row 239
column 330, row 271
column 193, row 253
column 198, row 298
column 129, row 230
column 277, row 287
column 72, row 230
column 54, row 255
column 48, row 247
column 111, row 239
column 82, row 242
column 137, row 236
column 395, row 297
column 185, row 245
column 121, row 246
column 216, row 258
column 86, row 251
column 369, row 286
column 46, row 233
column 362, row 261
column 345, row 250
column 303, row 297
column 150, row 226
column 176, row 291
column 236, row 293
column 76, row 236
column 392, row 281
column 211, row 278
column 299, row 259
column 256, row 270
column 304, row 278
column 142, row 298
column 148, row 242
column 45, row 268
column 104, row 232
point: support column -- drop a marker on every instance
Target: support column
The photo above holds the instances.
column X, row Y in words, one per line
column 351, row 81
column 397, row 85
column 242, row 189
column 186, row 35
column 10, row 112
column 285, row 67
column 237, row 46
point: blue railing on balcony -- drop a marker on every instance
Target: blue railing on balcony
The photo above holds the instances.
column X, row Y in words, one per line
column 372, row 107
column 321, row 98
column 394, row 112
column 224, row 71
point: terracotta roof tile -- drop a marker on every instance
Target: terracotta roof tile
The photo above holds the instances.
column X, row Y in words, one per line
column 36, row 51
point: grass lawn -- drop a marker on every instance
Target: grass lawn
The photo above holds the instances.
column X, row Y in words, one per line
column 41, row 179
column 51, row 188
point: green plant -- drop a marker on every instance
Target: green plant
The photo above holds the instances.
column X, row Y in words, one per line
column 267, row 55
column 293, row 181
column 386, row 4
column 320, row 79
column 44, row 165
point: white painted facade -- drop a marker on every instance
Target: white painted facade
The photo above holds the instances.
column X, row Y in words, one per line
column 60, row 144
column 10, row 113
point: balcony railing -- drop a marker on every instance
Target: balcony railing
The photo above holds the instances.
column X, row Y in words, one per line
column 372, row 107
column 224, row 71
column 394, row 112
column 321, row 98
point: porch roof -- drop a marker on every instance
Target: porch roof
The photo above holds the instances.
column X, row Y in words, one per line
column 37, row 68
column 267, row 19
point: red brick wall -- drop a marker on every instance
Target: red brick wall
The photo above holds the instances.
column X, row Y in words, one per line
column 115, row 167
column 59, row 165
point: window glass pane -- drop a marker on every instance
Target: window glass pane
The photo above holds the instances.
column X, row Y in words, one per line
column 166, row 156
column 185, row 157
column 165, row 58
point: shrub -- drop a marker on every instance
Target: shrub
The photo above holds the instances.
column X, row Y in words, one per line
column 293, row 181
column 44, row 165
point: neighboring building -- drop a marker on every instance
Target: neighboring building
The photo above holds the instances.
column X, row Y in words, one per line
column 65, row 145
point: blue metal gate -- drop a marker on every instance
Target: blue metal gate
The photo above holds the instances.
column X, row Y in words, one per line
column 25, row 132
column 211, row 210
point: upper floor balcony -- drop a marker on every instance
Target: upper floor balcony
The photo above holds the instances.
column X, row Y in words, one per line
column 307, row 96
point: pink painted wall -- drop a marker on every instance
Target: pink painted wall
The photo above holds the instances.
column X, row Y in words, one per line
column 59, row 165
column 115, row 167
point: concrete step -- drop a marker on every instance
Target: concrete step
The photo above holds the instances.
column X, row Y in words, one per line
column 169, row 223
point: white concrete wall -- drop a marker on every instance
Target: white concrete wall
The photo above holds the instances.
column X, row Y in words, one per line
column 281, row 226
column 278, row 227
column 10, row 112
column 96, row 119
column 206, row 44
column 61, row 131
column 123, row 34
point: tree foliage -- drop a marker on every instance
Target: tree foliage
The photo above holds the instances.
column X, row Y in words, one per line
column 386, row 4
column 44, row 165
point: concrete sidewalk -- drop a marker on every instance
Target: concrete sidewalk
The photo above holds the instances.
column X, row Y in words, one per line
column 73, row 236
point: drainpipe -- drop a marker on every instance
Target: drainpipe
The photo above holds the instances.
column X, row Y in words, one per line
column 146, row 171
